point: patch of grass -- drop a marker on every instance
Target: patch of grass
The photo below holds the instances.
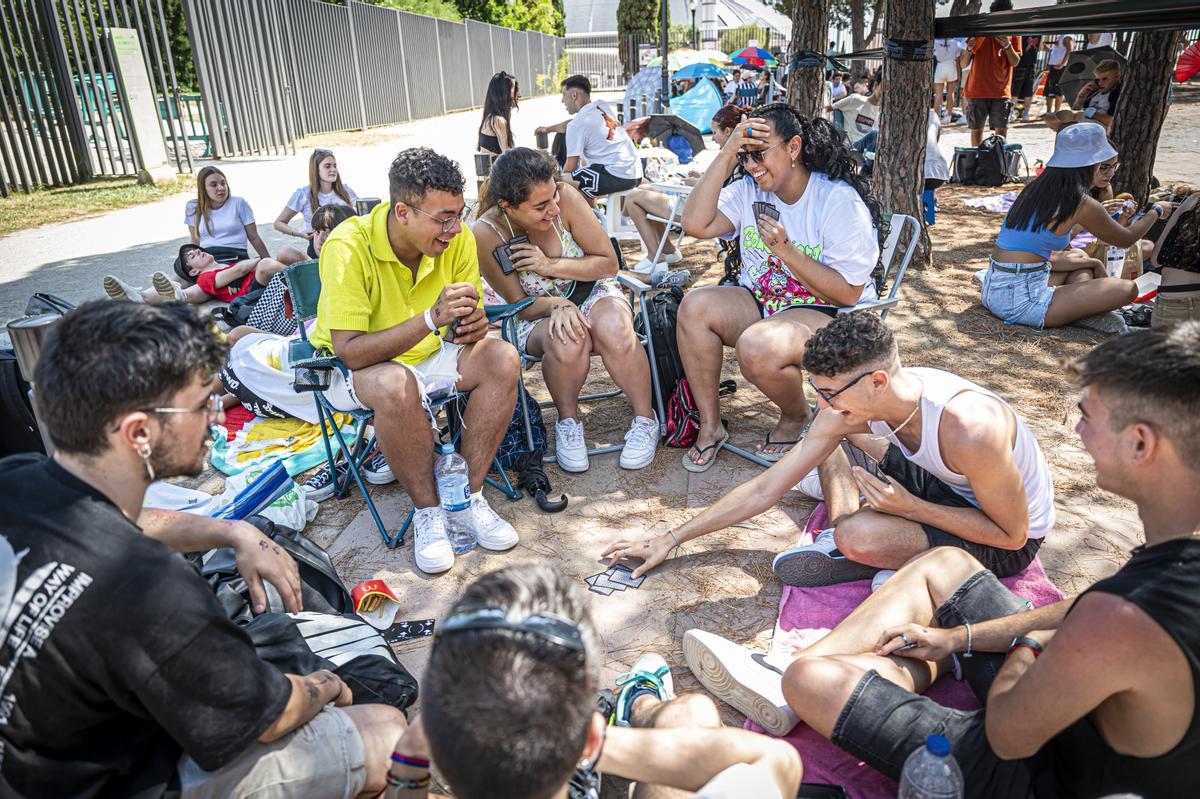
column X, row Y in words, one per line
column 20, row 211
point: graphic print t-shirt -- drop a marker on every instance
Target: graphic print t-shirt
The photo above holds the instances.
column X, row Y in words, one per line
column 830, row 223
column 115, row 656
column 595, row 136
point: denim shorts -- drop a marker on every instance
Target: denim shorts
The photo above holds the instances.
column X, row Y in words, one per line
column 1018, row 298
column 883, row 723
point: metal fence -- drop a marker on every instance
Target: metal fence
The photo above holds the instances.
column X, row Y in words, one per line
column 330, row 67
column 64, row 117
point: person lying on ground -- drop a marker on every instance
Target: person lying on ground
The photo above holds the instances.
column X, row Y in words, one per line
column 123, row 676
column 213, row 279
column 1017, row 287
column 568, row 266
column 940, row 461
column 643, row 202
column 224, row 224
column 808, row 231
column 601, row 158
column 324, row 187
column 395, row 284
column 510, row 710
column 1091, row 696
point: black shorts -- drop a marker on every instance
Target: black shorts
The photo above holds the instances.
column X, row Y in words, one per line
column 829, row 311
column 595, row 180
column 1023, row 81
column 1052, row 77
column 981, row 111
column 923, row 485
column 883, row 723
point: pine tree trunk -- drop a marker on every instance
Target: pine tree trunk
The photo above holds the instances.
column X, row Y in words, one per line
column 858, row 36
column 810, row 25
column 899, row 176
column 1141, row 109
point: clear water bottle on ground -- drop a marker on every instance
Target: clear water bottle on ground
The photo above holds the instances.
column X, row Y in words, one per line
column 454, row 491
column 931, row 773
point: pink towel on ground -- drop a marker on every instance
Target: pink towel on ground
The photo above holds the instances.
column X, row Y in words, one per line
column 807, row 614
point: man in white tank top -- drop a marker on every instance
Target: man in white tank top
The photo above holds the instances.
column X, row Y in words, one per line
column 939, row 461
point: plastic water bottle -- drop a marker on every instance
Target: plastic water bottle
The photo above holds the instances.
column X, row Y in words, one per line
column 931, row 773
column 454, row 491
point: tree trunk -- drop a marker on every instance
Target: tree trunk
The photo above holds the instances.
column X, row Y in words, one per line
column 899, row 177
column 857, row 15
column 1142, row 108
column 810, row 26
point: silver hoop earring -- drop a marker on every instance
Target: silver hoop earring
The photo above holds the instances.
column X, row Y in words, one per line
column 145, row 453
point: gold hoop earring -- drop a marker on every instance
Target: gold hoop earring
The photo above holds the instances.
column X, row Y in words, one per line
column 145, row 453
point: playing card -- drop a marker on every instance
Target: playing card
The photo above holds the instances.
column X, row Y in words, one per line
column 600, row 591
column 407, row 630
column 762, row 208
column 602, row 581
column 624, row 576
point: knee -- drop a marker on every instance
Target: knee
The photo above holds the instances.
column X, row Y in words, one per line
column 808, row 680
column 614, row 335
column 1131, row 291
column 380, row 728
column 268, row 267
column 759, row 349
column 239, row 333
column 395, row 389
column 694, row 311
column 502, row 358
column 690, row 710
column 854, row 537
column 569, row 352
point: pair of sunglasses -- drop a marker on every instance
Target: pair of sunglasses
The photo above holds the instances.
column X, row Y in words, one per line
column 757, row 156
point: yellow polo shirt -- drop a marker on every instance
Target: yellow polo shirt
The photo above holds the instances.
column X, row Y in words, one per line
column 365, row 287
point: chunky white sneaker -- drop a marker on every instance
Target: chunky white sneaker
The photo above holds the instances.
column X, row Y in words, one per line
column 569, row 447
column 672, row 257
column 167, row 288
column 640, row 443
column 431, row 545
column 750, row 681
column 819, row 563
column 649, row 675
column 120, row 290
column 811, row 486
column 490, row 530
column 644, row 267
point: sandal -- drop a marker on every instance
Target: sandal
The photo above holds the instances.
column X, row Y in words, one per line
column 715, row 448
column 773, row 457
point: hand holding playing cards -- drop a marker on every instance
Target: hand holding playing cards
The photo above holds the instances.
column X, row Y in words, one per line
column 914, row 641
column 652, row 551
column 773, row 234
column 884, row 496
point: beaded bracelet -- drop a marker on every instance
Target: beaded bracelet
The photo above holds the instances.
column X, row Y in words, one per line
column 411, row 762
column 407, row 785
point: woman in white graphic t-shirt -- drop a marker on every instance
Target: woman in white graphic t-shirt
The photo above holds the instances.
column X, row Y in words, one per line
column 807, row 227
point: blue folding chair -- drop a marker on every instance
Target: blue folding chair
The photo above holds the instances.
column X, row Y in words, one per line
column 312, row 370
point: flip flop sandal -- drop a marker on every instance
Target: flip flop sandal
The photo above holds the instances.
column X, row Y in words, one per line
column 715, row 448
column 776, row 456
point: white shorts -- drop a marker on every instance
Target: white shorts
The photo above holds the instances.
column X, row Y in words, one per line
column 437, row 376
column 945, row 72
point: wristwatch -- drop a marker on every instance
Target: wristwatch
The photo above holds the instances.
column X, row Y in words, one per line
column 1089, row 113
column 1027, row 642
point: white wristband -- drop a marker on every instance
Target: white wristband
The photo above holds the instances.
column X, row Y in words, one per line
column 429, row 320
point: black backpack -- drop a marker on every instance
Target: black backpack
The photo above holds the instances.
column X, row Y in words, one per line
column 18, row 428
column 991, row 166
column 663, row 310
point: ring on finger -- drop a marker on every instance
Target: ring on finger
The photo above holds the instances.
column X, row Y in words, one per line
column 904, row 638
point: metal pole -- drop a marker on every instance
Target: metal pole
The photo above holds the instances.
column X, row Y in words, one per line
column 665, row 23
column 441, row 67
column 407, row 88
column 362, row 106
column 209, row 92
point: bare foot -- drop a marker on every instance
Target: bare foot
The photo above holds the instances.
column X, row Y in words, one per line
column 704, row 450
column 786, row 434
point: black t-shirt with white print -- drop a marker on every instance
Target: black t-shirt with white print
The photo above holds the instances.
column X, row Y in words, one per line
column 115, row 656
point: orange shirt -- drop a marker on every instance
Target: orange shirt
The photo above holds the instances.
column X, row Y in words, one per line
column 991, row 75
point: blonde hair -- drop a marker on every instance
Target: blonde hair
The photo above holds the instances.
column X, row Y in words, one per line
column 203, row 204
column 1109, row 67
column 314, row 178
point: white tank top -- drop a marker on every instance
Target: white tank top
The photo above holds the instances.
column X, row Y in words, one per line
column 939, row 388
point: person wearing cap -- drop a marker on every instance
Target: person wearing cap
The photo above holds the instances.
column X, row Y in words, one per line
column 213, row 279
column 1021, row 286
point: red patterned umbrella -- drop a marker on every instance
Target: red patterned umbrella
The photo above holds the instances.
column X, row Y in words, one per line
column 1189, row 62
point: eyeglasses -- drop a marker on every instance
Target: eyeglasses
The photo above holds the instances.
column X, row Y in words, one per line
column 756, row 156
column 828, row 396
column 213, row 407
column 447, row 223
column 547, row 626
column 1109, row 169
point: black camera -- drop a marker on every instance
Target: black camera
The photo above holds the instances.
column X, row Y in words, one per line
column 503, row 253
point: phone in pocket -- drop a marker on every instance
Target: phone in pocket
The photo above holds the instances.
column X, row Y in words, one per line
column 503, row 253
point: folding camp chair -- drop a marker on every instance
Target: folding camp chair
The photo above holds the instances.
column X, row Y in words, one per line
column 897, row 223
column 312, row 371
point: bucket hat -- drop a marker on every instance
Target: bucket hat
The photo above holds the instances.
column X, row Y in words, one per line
column 1081, row 144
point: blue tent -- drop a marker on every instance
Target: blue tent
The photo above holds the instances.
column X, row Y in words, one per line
column 698, row 104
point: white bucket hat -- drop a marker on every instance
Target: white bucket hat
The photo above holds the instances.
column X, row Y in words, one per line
column 1081, row 144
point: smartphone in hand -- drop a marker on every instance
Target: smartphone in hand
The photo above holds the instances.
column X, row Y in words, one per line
column 503, row 254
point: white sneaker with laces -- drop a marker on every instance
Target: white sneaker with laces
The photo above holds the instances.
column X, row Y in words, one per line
column 120, row 290
column 672, row 257
column 167, row 288
column 376, row 470
column 569, row 447
column 640, row 443
column 431, row 545
column 644, row 267
column 811, row 486
column 490, row 530
column 819, row 563
column 750, row 681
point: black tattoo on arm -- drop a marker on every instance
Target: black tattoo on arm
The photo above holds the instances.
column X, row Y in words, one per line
column 263, row 545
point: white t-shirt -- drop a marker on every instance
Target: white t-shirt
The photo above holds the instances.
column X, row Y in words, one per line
column 299, row 202
column 948, row 49
column 595, row 136
column 228, row 223
column 860, row 113
column 739, row 782
column 830, row 223
column 839, row 91
column 1058, row 55
column 1105, row 40
column 936, row 167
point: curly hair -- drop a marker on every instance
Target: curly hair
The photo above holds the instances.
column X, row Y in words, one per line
column 513, row 176
column 824, row 150
column 418, row 170
column 849, row 343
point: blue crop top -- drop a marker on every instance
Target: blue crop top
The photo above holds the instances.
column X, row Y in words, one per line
column 1040, row 242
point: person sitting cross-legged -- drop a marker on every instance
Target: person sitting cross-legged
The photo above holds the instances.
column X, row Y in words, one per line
column 567, row 265
column 1096, row 695
column 940, row 461
column 394, row 284
column 807, row 228
column 509, row 710
column 122, row 674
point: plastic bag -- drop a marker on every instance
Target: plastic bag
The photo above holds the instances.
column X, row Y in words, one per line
column 287, row 505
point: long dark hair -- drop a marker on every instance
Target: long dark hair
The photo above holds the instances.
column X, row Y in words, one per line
column 514, row 174
column 499, row 102
column 1051, row 198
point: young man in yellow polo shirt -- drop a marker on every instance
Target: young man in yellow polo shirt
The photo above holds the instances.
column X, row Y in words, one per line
column 394, row 283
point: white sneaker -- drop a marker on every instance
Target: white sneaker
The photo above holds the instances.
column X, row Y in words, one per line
column 644, row 267
column 649, row 674
column 167, row 288
column 431, row 545
column 811, row 486
column 881, row 578
column 490, row 530
column 819, row 563
column 569, row 447
column 120, row 290
column 750, row 681
column 640, row 443
column 672, row 257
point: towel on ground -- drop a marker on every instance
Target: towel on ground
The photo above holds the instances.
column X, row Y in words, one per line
column 998, row 203
column 262, row 441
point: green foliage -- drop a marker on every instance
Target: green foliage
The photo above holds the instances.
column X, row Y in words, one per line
column 739, row 38
column 544, row 16
column 634, row 16
column 442, row 9
column 181, row 46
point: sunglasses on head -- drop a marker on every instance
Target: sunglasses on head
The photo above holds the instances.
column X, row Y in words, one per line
column 546, row 626
column 757, row 156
